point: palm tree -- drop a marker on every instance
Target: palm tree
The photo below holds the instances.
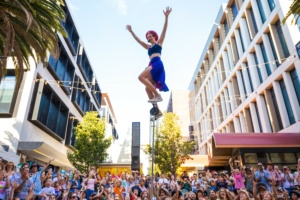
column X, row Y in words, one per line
column 28, row 29
column 294, row 10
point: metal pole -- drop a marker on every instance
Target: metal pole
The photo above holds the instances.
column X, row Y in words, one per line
column 153, row 125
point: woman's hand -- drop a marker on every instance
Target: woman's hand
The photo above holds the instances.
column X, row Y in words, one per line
column 128, row 27
column 168, row 11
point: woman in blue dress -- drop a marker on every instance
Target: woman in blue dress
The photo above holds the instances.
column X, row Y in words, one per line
column 153, row 77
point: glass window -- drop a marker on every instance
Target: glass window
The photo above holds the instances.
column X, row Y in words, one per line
column 235, row 10
column 7, row 90
column 249, row 77
column 296, row 82
column 258, row 117
column 242, row 41
column 263, row 157
column 253, row 20
column 271, row 4
column 276, row 108
column 52, row 113
column 226, row 27
column 273, row 49
column 258, row 68
column 261, row 10
column 287, row 102
column 283, row 157
column 266, row 60
column 243, row 82
column 250, row 158
column 282, row 39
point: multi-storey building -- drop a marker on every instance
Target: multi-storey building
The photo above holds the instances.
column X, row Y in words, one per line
column 38, row 118
column 247, row 82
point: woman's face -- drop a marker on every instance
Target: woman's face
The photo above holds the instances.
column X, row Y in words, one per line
column 294, row 196
column 222, row 193
column 237, row 171
column 243, row 196
column 150, row 37
column 199, row 195
column 262, row 191
column 118, row 183
column 212, row 193
column 267, row 196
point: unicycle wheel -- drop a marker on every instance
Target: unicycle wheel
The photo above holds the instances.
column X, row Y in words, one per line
column 154, row 111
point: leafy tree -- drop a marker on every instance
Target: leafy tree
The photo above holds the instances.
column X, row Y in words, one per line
column 169, row 148
column 90, row 144
column 28, row 29
column 293, row 11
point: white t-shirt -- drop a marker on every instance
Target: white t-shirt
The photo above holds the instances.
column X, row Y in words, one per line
column 163, row 180
column 47, row 190
column 296, row 178
column 287, row 183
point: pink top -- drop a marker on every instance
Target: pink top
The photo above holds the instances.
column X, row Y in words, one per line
column 91, row 184
column 238, row 181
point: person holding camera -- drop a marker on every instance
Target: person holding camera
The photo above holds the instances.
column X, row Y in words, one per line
column 186, row 185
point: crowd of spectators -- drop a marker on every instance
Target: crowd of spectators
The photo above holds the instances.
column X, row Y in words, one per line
column 264, row 182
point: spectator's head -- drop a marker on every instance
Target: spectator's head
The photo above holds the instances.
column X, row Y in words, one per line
column 285, row 169
column 222, row 193
column 199, row 194
column 200, row 175
column 34, row 167
column 276, row 168
column 9, row 166
column 260, row 166
column 269, row 166
column 117, row 183
column 24, row 171
column 162, row 175
column 223, row 177
column 295, row 195
column 116, row 197
column 212, row 182
column 192, row 195
column 52, row 197
column 249, row 173
column 261, row 188
column 243, row 195
column 144, row 194
column 280, row 193
column 73, row 196
column 163, row 192
column 48, row 182
column 185, row 178
column 216, row 175
column 142, row 182
column 268, row 195
column 212, row 194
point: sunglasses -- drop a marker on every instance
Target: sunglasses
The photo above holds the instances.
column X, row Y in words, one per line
column 74, row 197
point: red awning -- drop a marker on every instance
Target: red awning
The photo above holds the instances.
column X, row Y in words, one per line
column 253, row 140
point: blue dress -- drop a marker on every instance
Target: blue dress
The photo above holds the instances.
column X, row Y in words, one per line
column 158, row 71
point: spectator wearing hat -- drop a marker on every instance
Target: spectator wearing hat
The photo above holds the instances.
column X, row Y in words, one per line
column 295, row 195
column 263, row 176
column 287, row 179
column 259, row 190
column 36, row 176
column 222, row 181
column 23, row 186
column 281, row 194
column 243, row 195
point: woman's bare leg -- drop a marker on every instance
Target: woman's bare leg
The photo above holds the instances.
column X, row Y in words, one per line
column 146, row 78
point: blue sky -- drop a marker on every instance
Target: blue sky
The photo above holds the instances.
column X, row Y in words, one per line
column 117, row 59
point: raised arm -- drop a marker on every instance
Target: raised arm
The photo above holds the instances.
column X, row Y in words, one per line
column 146, row 46
column 163, row 33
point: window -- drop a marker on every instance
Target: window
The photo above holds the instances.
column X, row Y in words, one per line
column 49, row 112
column 287, row 102
column 276, row 109
column 242, row 41
column 273, row 49
column 296, row 82
column 253, row 20
column 271, row 4
column 258, row 116
column 226, row 27
column 243, row 82
column 97, row 94
column 70, row 139
column 85, row 66
column 63, row 69
column 266, row 61
column 261, row 10
column 73, row 37
column 80, row 97
column 282, row 39
column 258, row 67
column 234, row 10
column 219, row 41
column 7, row 92
column 249, row 77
